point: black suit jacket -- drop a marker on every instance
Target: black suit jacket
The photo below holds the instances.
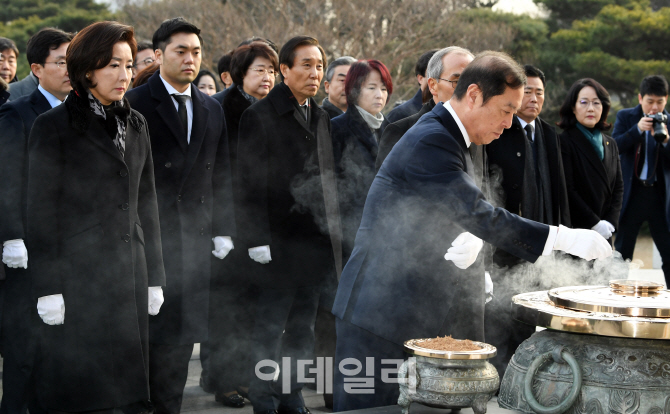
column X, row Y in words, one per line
column 410, row 107
column 397, row 284
column 193, row 183
column 16, row 120
column 396, row 130
column 595, row 187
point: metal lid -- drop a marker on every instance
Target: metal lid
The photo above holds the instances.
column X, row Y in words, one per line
column 413, row 347
column 535, row 308
column 622, row 297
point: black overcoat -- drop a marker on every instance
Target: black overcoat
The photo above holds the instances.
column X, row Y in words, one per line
column 355, row 150
column 280, row 177
column 195, row 203
column 595, row 187
column 93, row 236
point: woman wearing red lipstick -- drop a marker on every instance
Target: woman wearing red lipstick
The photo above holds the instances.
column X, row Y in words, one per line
column 590, row 158
column 94, row 234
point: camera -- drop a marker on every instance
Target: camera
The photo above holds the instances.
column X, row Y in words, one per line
column 659, row 133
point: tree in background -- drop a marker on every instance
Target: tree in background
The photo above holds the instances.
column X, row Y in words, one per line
column 20, row 19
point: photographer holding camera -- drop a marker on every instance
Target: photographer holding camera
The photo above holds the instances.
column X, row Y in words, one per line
column 642, row 136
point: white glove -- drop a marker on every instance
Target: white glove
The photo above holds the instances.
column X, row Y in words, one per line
column 14, row 253
column 155, row 299
column 260, row 254
column 222, row 246
column 464, row 250
column 488, row 287
column 51, row 309
column 604, row 228
column 586, row 244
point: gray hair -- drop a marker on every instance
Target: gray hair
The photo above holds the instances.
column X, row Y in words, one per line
column 435, row 66
column 341, row 61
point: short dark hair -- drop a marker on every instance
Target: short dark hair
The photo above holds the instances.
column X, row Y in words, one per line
column 92, row 49
column 244, row 56
column 269, row 42
column 567, row 114
column 493, row 72
column 8, row 44
column 422, row 63
column 205, row 72
column 163, row 35
column 144, row 45
column 287, row 52
column 43, row 42
column 359, row 72
column 655, row 85
column 223, row 64
column 534, row 72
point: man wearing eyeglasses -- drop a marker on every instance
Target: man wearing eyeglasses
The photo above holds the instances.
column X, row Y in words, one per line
column 525, row 163
column 144, row 58
column 443, row 71
column 645, row 168
column 46, row 55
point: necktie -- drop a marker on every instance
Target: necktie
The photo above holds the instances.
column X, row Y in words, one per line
column 529, row 132
column 651, row 160
column 183, row 115
column 305, row 108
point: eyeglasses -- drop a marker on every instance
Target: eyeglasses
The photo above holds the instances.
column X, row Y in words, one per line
column 263, row 71
column 585, row 104
column 61, row 64
column 453, row 82
column 146, row 61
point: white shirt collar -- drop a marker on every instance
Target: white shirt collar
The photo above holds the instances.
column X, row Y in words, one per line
column 53, row 101
column 466, row 137
column 172, row 91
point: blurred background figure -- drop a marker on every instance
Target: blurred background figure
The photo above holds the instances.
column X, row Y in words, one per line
column 144, row 75
column 590, row 159
column 145, row 57
column 206, row 82
column 336, row 101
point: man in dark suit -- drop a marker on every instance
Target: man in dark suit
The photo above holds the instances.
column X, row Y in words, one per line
column 645, row 166
column 443, row 71
column 223, row 68
column 397, row 284
column 46, row 54
column 9, row 55
column 336, row 101
column 290, row 220
column 414, row 104
column 190, row 152
column 527, row 158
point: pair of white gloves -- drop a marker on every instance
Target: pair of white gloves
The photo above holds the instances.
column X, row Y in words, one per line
column 587, row 244
column 604, row 228
column 52, row 308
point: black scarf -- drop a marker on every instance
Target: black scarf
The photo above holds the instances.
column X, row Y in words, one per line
column 536, row 202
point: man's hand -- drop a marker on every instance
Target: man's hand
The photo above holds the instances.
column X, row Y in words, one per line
column 14, row 254
column 222, row 246
column 583, row 243
column 645, row 124
column 155, row 300
column 604, row 228
column 464, row 250
column 260, row 254
column 51, row 309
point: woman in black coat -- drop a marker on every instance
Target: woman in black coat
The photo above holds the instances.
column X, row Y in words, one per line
column 93, row 233
column 591, row 159
column 253, row 69
column 355, row 133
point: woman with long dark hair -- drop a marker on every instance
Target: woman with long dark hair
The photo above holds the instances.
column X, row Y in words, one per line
column 590, row 159
column 94, row 234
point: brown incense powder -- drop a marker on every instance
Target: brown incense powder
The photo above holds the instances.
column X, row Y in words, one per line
column 447, row 343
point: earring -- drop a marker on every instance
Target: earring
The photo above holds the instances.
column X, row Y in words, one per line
column 88, row 76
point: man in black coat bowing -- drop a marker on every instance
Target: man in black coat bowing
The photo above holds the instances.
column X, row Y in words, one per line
column 289, row 219
column 398, row 283
column 190, row 152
